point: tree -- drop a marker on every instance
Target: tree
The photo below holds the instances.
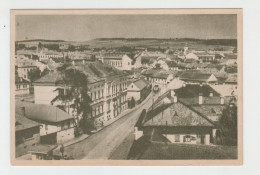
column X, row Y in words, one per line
column 76, row 95
column 34, row 74
column 228, row 124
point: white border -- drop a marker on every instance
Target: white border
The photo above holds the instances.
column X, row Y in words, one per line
column 251, row 79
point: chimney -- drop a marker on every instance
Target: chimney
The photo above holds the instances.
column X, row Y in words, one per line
column 200, row 98
column 83, row 61
column 222, row 100
column 211, row 93
column 73, row 63
column 184, row 84
column 175, row 99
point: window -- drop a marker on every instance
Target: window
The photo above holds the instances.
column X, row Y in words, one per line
column 24, row 86
column 95, row 95
column 187, row 138
column 46, row 127
column 177, row 138
column 97, row 110
column 98, row 94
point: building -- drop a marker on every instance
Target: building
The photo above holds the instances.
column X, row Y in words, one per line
column 27, row 134
column 23, row 67
column 119, row 61
column 57, row 126
column 197, row 77
column 206, row 58
column 107, row 89
column 158, row 76
column 21, row 86
column 176, row 123
column 138, row 90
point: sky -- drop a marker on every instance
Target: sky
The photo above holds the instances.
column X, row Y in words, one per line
column 87, row 27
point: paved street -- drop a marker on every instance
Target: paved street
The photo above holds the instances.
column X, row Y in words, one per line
column 101, row 144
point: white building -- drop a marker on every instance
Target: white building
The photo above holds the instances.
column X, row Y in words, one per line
column 119, row 61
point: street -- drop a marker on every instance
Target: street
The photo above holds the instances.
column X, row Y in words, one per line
column 101, row 144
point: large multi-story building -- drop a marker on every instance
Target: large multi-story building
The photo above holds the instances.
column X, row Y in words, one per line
column 119, row 61
column 107, row 89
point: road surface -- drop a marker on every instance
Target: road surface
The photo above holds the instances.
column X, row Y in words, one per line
column 101, row 144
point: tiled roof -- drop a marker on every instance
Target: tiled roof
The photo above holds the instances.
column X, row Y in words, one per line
column 22, row 123
column 193, row 90
column 45, row 113
column 95, row 72
column 177, row 115
column 210, row 111
column 141, row 83
column 200, row 77
column 51, row 77
column 195, row 100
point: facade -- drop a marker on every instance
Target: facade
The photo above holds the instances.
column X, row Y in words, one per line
column 24, row 67
column 45, row 57
column 21, row 86
column 138, row 90
column 119, row 61
column 27, row 134
column 107, row 89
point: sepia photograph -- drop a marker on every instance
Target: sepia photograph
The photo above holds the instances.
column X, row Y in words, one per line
column 126, row 87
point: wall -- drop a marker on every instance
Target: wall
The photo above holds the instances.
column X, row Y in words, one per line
column 20, row 90
column 65, row 135
column 23, row 148
column 126, row 63
column 44, row 94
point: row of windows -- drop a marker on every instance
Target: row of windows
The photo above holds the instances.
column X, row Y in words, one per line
column 97, row 95
column 19, row 86
column 114, row 63
column 116, row 88
column 98, row 110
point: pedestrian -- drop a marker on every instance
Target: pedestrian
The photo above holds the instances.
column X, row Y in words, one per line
column 62, row 150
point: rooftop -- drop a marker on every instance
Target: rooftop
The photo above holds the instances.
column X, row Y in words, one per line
column 175, row 114
column 141, row 83
column 42, row 113
column 193, row 90
column 22, row 123
column 195, row 76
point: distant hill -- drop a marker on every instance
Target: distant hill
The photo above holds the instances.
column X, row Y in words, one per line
column 225, row 42
column 41, row 40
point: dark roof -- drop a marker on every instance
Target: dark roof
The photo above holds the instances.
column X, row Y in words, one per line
column 22, row 123
column 177, row 115
column 20, row 80
column 43, row 113
column 193, row 90
column 95, row 71
column 172, row 64
column 195, row 76
column 141, row 83
column 195, row 100
column 147, row 150
column 210, row 110
column 51, row 77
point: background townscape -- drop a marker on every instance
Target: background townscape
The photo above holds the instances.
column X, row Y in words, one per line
column 126, row 97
